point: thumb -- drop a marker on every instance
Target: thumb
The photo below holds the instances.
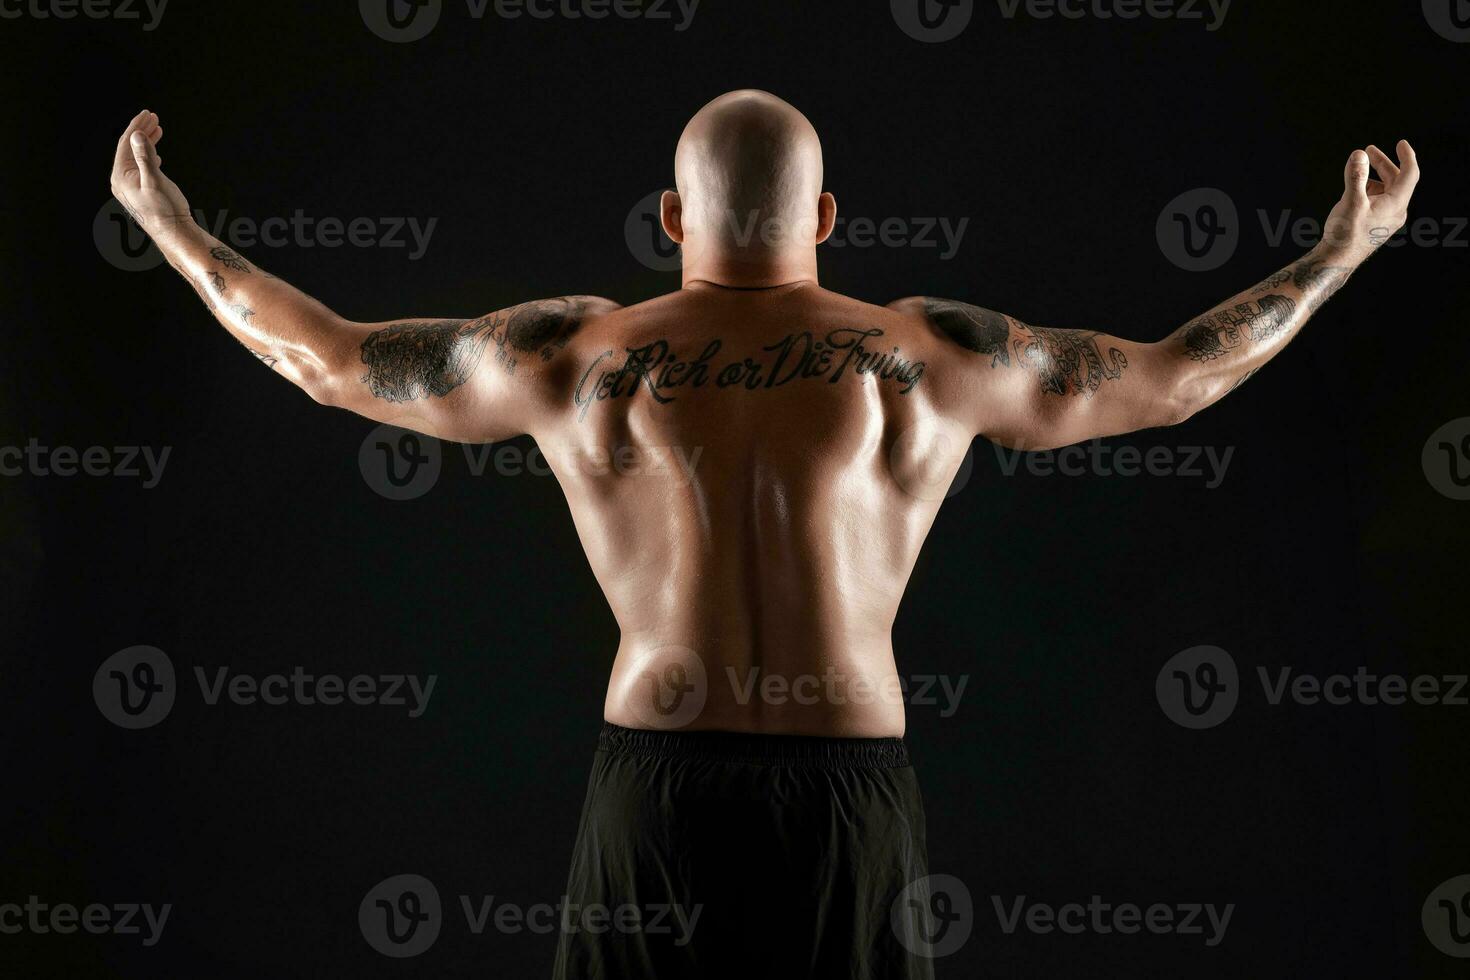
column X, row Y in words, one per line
column 147, row 159
column 1355, row 177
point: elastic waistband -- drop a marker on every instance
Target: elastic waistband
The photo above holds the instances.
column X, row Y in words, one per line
column 770, row 750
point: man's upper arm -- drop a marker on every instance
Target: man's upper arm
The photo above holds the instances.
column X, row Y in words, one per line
column 474, row 380
column 1035, row 388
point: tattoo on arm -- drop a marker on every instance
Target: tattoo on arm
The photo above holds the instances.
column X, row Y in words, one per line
column 1217, row 334
column 429, row 359
column 229, row 258
column 1271, row 282
column 1318, row 281
column 1242, row 380
column 218, row 282
column 242, row 311
column 1069, row 361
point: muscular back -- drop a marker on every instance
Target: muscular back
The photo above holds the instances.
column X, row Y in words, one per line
column 752, row 474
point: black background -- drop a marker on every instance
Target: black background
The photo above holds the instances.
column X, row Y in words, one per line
column 1058, row 599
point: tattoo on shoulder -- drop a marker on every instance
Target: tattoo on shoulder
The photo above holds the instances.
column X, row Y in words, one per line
column 229, row 258
column 1069, row 362
column 429, row 359
column 974, row 328
column 1218, row 333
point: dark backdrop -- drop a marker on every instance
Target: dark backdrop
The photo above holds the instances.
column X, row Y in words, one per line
column 1056, row 599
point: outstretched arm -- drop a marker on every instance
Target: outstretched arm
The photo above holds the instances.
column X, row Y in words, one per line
column 1035, row 388
column 431, row 374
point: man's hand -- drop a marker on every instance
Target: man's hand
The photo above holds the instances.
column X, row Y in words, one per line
column 1370, row 210
column 154, row 201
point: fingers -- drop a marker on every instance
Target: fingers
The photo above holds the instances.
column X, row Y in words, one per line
column 146, row 158
column 1408, row 177
column 122, row 160
column 1382, row 163
column 1355, row 177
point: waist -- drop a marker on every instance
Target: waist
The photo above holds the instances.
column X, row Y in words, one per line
column 756, row 749
column 674, row 688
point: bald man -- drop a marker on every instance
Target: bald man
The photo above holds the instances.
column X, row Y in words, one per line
column 752, row 463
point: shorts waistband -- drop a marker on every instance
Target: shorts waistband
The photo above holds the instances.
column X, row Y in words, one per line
column 770, row 750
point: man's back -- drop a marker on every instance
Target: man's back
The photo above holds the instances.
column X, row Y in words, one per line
column 752, row 473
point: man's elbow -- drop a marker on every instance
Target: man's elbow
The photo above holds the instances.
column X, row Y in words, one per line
column 1179, row 401
column 326, row 384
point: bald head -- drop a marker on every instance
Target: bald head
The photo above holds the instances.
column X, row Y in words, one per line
column 749, row 173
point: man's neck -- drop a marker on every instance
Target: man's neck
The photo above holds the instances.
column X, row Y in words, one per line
column 747, row 272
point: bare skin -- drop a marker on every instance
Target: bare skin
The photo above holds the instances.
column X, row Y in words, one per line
column 753, row 462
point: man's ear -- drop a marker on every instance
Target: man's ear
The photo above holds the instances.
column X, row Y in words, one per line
column 826, row 216
column 671, row 214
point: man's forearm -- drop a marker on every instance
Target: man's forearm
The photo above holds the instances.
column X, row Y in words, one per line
column 1215, row 353
column 286, row 329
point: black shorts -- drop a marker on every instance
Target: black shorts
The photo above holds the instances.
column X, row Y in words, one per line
column 764, row 857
